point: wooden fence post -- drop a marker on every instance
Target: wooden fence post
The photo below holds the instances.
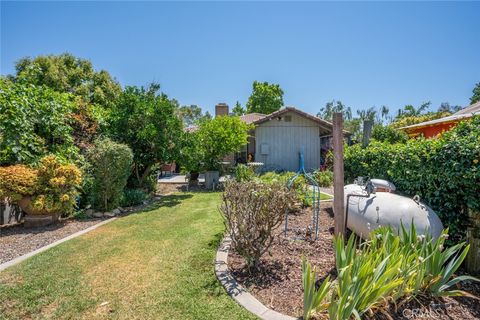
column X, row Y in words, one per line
column 367, row 132
column 338, row 204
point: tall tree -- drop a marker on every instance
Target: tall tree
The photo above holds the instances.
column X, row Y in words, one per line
column 265, row 98
column 238, row 110
column 446, row 107
column 191, row 114
column 67, row 73
column 332, row 107
column 367, row 114
column 146, row 121
column 476, row 94
column 409, row 110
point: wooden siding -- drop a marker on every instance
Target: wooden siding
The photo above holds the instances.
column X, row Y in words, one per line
column 285, row 140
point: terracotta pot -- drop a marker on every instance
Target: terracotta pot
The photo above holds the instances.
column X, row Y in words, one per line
column 25, row 205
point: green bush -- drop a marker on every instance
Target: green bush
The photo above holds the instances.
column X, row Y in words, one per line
column 244, row 173
column 133, row 197
column 444, row 172
column 323, row 178
column 111, row 167
column 388, row 134
column 34, row 122
column 299, row 186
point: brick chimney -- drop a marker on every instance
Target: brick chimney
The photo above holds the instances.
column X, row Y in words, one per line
column 221, row 109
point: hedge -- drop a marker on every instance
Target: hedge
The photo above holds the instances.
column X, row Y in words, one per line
column 444, row 171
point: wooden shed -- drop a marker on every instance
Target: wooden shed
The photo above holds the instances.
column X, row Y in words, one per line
column 280, row 136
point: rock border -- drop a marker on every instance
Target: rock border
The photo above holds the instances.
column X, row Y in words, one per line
column 236, row 291
column 24, row 257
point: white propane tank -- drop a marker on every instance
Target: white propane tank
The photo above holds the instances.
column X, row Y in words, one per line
column 388, row 209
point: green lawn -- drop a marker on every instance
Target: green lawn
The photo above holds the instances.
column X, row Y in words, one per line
column 324, row 196
column 156, row 264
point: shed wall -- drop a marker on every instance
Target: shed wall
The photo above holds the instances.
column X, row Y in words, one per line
column 285, row 140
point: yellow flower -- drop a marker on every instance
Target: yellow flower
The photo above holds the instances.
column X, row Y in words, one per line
column 475, row 161
column 64, row 198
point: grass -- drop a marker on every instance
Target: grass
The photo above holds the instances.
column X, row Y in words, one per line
column 155, row 264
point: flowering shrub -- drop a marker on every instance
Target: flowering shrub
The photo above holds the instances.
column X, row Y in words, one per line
column 17, row 181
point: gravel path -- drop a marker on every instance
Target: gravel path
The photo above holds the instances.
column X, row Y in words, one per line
column 17, row 240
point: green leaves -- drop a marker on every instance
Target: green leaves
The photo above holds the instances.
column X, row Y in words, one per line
column 443, row 171
column 265, row 98
column 313, row 298
column 386, row 268
column 34, row 121
column 221, row 136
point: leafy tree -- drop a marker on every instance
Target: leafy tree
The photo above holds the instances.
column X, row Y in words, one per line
column 446, row 107
column 409, row 110
column 367, row 114
column 476, row 94
column 191, row 152
column 332, row 107
column 409, row 120
column 191, row 115
column 147, row 122
column 265, row 98
column 221, row 136
column 34, row 122
column 67, row 73
column 238, row 110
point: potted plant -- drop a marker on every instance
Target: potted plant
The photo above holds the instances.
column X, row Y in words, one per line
column 44, row 193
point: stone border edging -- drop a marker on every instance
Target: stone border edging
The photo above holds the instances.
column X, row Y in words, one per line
column 237, row 292
column 24, row 257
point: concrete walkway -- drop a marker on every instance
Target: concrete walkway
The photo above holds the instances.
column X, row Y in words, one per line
column 181, row 179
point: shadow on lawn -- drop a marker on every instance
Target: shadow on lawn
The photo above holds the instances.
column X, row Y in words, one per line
column 166, row 201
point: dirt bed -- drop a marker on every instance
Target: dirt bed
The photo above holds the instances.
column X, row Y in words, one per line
column 278, row 284
column 17, row 240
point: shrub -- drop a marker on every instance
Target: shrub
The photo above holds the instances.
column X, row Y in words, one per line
column 443, row 171
column 17, row 181
column 388, row 134
column 387, row 268
column 34, row 122
column 133, row 197
column 244, row 173
column 111, row 164
column 323, row 178
column 57, row 188
column 251, row 211
column 299, row 186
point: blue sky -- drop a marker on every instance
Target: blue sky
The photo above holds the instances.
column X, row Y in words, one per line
column 364, row 54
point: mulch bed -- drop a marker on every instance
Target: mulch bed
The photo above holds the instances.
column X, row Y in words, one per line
column 278, row 283
column 16, row 240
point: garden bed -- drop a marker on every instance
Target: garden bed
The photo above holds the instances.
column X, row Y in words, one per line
column 16, row 240
column 278, row 284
